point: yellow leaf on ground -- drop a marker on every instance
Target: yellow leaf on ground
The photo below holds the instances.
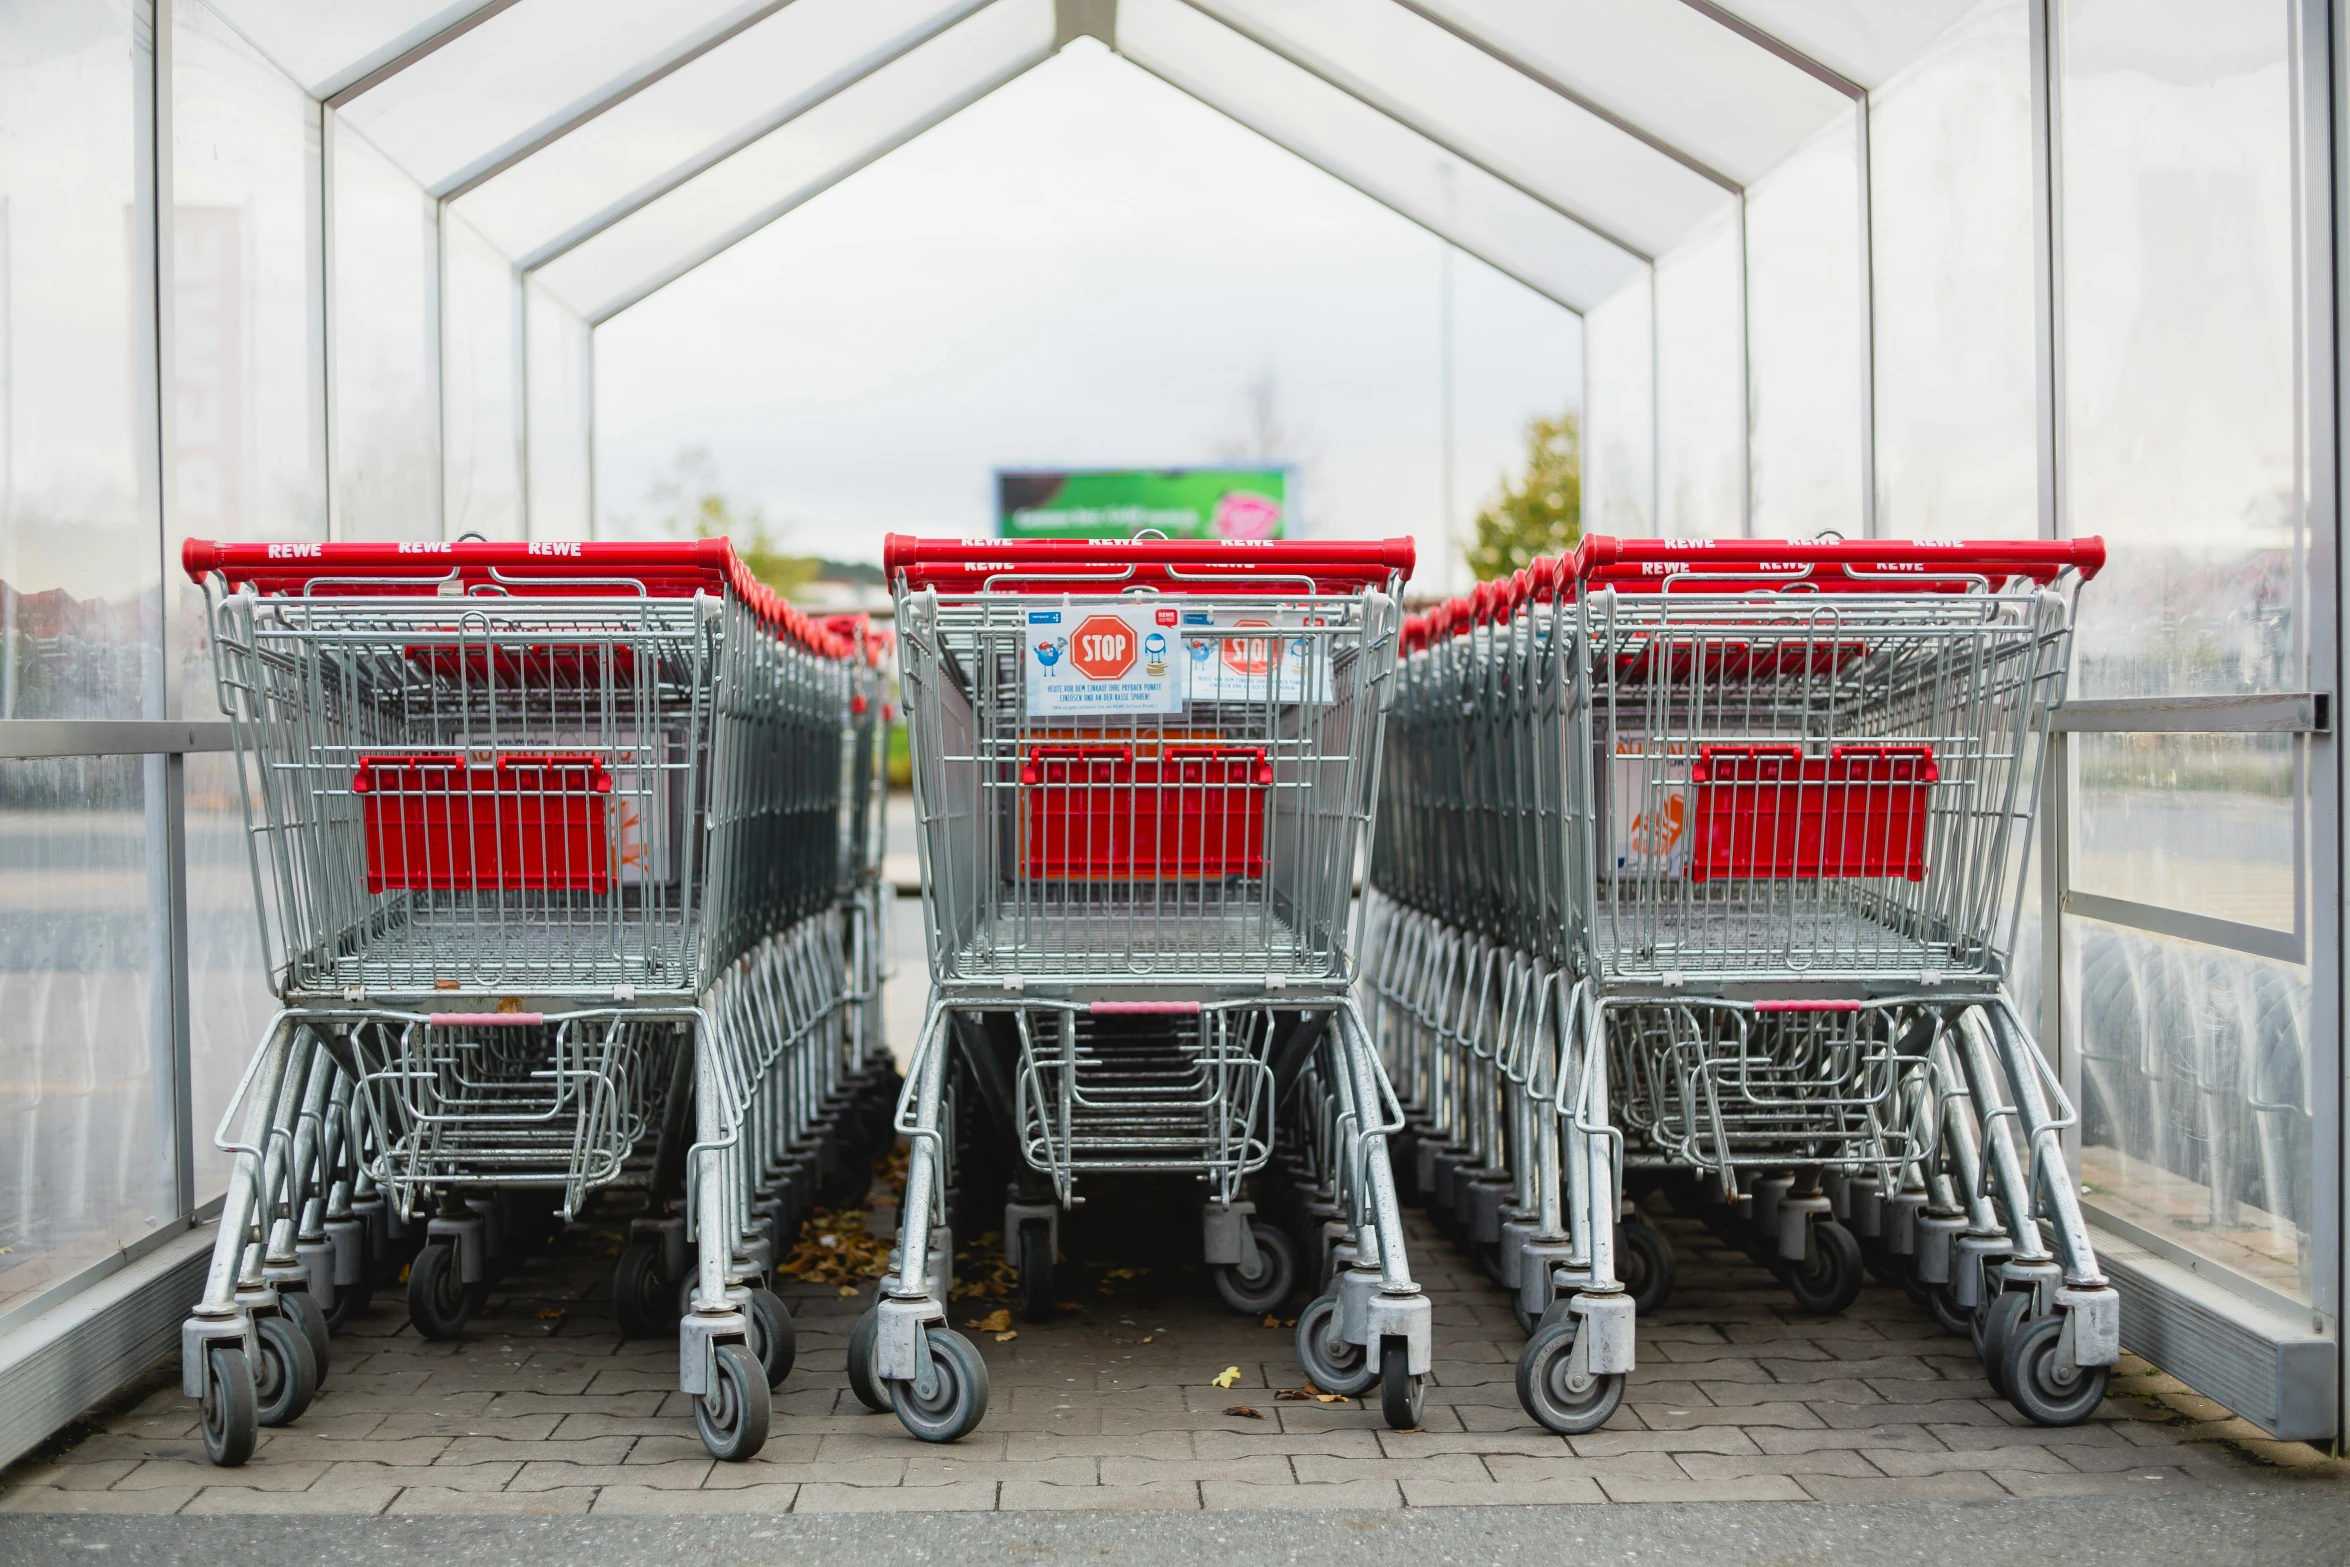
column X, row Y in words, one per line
column 1227, row 1377
column 1007, row 1335
column 846, row 1290
column 994, row 1322
column 551, row 1314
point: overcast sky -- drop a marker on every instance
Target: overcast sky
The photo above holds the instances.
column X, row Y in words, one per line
column 1087, row 268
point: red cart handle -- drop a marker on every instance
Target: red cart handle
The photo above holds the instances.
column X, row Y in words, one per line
column 1865, row 565
column 663, row 568
column 1170, row 565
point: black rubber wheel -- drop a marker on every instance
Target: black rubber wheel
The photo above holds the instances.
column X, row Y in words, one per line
column 1944, row 1308
column 1334, row 1368
column 310, row 1317
column 287, row 1377
column 1995, row 1326
column 2033, row 1383
column 1547, row 1391
column 957, row 1400
column 1644, row 1265
column 775, row 1341
column 351, row 1300
column 1036, row 1270
column 862, row 1381
column 732, row 1417
column 1255, row 1292
column 1884, row 1264
column 1829, row 1277
column 439, row 1302
column 643, row 1303
column 232, row 1413
column 1400, row 1393
column 1527, row 1321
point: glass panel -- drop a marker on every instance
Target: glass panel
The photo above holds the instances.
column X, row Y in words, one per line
column 324, row 46
column 85, row 1100
column 1533, row 137
column 562, row 410
column 385, row 265
column 79, row 557
column 1729, row 103
column 834, row 139
column 2196, row 822
column 722, row 101
column 248, row 434
column 1865, row 40
column 2196, row 1090
column 481, row 385
column 1701, row 388
column 518, row 74
column 2180, row 368
column 1803, row 338
column 229, row 1000
column 1499, row 225
column 1950, row 172
column 1619, row 368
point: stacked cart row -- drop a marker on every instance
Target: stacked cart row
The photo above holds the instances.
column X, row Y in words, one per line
column 1699, row 870
column 566, row 862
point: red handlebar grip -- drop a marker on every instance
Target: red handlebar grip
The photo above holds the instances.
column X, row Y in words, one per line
column 2043, row 560
column 964, row 565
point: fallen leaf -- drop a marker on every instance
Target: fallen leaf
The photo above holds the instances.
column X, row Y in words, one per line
column 1244, row 1412
column 1146, row 1338
column 994, row 1322
column 1125, row 1273
column 551, row 1314
column 1228, row 1376
column 1272, row 1321
column 1007, row 1335
column 847, row 1290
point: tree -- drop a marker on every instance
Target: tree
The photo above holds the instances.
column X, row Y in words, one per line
column 692, row 505
column 1542, row 512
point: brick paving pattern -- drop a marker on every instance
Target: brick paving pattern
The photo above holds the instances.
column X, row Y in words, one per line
column 542, row 1409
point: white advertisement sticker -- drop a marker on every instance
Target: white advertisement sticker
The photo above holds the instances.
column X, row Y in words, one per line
column 1110, row 660
column 1246, row 656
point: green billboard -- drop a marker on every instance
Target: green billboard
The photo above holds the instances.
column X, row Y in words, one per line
column 1118, row 503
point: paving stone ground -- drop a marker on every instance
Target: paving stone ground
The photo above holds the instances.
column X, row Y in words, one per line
column 542, row 1408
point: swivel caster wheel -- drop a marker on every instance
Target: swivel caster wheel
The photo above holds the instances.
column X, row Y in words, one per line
column 863, row 1381
column 1996, row 1323
column 956, row 1400
column 303, row 1308
column 440, row 1303
column 1036, row 1271
column 1334, row 1368
column 774, row 1338
column 1564, row 1400
column 643, row 1303
column 1828, row 1278
column 286, row 1378
column 2047, row 1393
column 232, row 1407
column 1255, row 1292
column 1644, row 1265
column 732, row 1418
column 1400, row 1393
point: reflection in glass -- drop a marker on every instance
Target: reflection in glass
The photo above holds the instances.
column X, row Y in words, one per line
column 1701, row 387
column 85, row 1117
column 481, row 392
column 1619, row 446
column 561, row 387
column 229, row 1002
column 1803, row 266
column 1950, row 192
column 78, row 557
column 384, row 298
column 2202, row 823
column 2180, row 327
column 2196, row 1092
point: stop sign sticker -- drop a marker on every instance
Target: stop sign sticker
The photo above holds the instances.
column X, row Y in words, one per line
column 1248, row 655
column 1100, row 661
column 1102, row 647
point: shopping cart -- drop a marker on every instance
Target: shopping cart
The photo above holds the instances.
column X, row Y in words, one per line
column 1770, row 885
column 549, row 857
column 1144, row 772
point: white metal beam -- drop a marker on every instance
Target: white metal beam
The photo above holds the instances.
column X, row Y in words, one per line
column 401, row 54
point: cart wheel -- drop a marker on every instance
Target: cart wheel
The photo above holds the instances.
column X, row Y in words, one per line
column 1400, row 1393
column 1036, row 1271
column 642, row 1301
column 862, row 1381
column 351, row 1300
column 286, row 1379
column 774, row 1339
column 1944, row 1308
column 1644, row 1264
column 1334, row 1368
column 958, row 1395
column 439, row 1302
column 732, row 1417
column 2045, row 1395
column 1829, row 1277
column 1253, row 1294
column 303, row 1308
column 1549, row 1391
column 232, row 1415
column 1995, row 1326
column 1528, row 1321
